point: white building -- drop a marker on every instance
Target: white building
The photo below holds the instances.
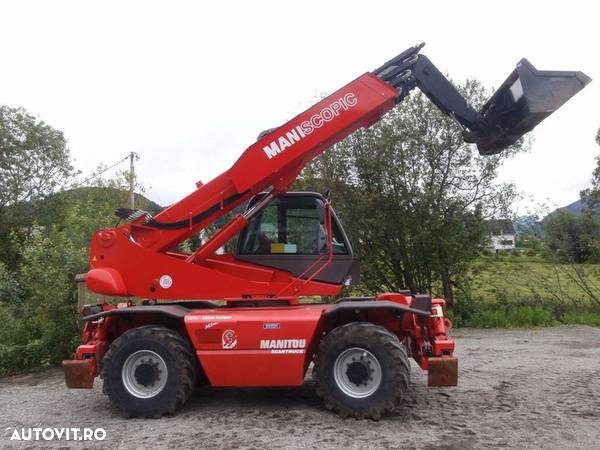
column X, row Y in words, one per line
column 501, row 235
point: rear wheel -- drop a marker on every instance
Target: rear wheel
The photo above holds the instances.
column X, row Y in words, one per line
column 361, row 371
column 149, row 371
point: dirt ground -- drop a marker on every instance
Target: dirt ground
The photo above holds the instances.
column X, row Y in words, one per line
column 518, row 389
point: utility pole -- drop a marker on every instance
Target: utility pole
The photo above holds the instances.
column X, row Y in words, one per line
column 132, row 157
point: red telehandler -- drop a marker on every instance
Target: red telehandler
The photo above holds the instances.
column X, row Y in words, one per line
column 254, row 331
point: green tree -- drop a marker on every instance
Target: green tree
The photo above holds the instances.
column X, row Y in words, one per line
column 413, row 196
column 38, row 299
column 44, row 238
column 576, row 238
column 591, row 195
column 571, row 238
column 34, row 162
column 34, row 159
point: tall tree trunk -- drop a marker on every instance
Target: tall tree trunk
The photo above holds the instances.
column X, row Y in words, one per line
column 447, row 287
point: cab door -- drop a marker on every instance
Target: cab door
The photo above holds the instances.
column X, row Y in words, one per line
column 290, row 234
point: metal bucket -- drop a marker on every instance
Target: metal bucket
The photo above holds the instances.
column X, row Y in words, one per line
column 526, row 98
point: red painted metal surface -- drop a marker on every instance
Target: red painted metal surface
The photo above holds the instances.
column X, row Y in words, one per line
column 106, row 279
column 140, row 254
column 255, row 346
column 219, row 277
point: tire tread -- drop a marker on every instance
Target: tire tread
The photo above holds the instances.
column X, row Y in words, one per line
column 376, row 336
column 185, row 362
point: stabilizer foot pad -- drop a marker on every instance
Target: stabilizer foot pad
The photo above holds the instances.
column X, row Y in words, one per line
column 442, row 372
column 79, row 373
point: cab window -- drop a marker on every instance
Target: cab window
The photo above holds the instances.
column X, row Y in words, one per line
column 290, row 225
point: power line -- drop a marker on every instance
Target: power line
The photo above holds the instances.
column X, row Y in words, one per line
column 100, row 173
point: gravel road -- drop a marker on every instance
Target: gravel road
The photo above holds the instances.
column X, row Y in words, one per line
column 518, row 389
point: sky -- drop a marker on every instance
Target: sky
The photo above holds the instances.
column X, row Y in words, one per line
column 189, row 85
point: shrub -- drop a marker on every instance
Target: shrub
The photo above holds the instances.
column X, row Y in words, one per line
column 514, row 317
column 581, row 318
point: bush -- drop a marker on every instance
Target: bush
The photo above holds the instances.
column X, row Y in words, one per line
column 40, row 332
column 461, row 314
column 21, row 357
column 581, row 318
column 572, row 238
column 40, row 320
column 10, row 291
column 531, row 252
column 38, row 297
column 506, row 311
column 515, row 317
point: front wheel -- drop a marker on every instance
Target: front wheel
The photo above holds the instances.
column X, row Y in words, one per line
column 362, row 371
column 149, row 371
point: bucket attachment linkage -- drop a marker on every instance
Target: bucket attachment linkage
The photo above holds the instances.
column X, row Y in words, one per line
column 526, row 98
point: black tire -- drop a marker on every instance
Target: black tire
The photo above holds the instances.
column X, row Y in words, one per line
column 176, row 356
column 382, row 349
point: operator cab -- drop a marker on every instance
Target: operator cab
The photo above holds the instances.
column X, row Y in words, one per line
column 290, row 233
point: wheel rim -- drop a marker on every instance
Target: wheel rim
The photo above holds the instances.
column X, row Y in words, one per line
column 357, row 372
column 144, row 374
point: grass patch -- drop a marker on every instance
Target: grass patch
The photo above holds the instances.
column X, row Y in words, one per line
column 533, row 277
column 518, row 317
column 494, row 315
column 581, row 318
column 524, row 292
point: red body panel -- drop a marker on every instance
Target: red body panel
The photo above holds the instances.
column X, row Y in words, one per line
column 214, row 278
column 106, row 280
column 255, row 346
